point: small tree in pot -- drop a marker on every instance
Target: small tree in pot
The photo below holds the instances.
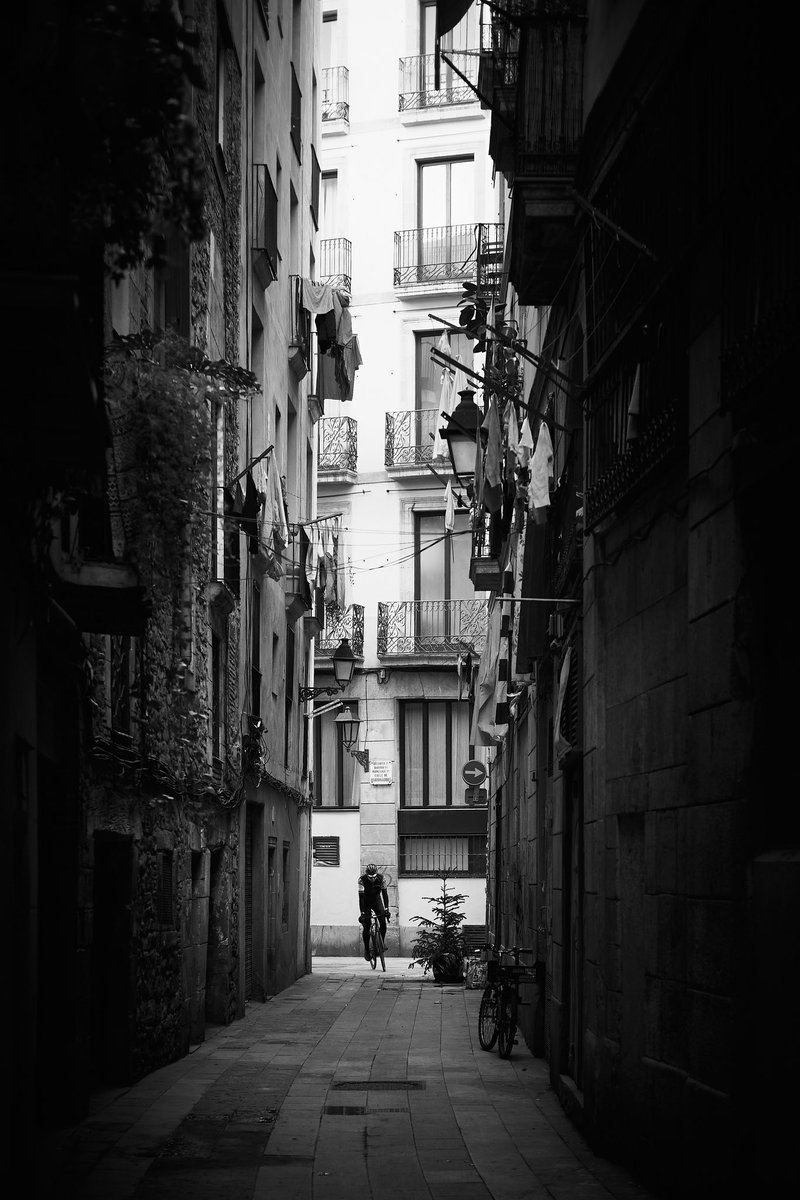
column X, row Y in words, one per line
column 439, row 946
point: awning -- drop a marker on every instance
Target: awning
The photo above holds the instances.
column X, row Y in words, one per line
column 449, row 13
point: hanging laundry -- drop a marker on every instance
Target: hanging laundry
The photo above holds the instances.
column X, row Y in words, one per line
column 493, row 466
column 560, row 743
column 512, row 433
column 316, row 297
column 449, row 509
column 524, row 448
column 541, row 474
column 447, row 401
column 344, row 319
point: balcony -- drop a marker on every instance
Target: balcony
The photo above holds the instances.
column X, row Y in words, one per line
column 335, row 263
column 335, row 96
column 264, row 242
column 338, row 449
column 533, row 78
column 436, row 259
column 417, row 81
column 347, row 623
column 489, row 262
column 409, row 439
column 484, row 564
column 432, row 629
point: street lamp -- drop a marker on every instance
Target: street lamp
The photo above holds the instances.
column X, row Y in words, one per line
column 462, row 433
column 349, row 724
column 344, row 663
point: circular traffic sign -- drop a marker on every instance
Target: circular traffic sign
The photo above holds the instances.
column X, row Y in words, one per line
column 473, row 773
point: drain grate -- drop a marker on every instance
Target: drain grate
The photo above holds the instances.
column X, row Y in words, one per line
column 379, row 1085
column 345, row 1110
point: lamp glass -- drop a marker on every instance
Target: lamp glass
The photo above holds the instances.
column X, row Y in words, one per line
column 462, row 433
column 349, row 727
column 343, row 664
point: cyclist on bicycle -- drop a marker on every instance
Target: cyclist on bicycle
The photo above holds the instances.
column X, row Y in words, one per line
column 372, row 897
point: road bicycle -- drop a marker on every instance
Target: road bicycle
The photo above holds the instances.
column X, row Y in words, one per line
column 376, row 946
column 501, row 1001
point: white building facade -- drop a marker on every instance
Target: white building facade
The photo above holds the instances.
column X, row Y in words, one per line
column 407, row 211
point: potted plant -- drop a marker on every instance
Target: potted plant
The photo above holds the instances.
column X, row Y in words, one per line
column 439, row 946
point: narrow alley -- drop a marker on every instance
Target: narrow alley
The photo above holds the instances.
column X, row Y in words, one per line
column 347, row 1085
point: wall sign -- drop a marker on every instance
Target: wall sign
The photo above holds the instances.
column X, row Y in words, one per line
column 380, row 771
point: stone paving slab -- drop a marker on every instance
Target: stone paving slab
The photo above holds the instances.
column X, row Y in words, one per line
column 349, row 1085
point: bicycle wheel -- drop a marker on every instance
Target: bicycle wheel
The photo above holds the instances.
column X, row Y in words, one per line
column 506, row 1026
column 373, row 949
column 487, row 1018
column 381, row 949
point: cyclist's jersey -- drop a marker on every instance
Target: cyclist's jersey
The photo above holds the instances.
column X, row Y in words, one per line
column 370, row 889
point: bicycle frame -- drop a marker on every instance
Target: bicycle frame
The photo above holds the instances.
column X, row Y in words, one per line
column 499, row 1009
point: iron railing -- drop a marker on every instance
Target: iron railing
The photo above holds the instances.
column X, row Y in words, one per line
column 342, row 623
column 457, row 855
column 418, row 80
column 489, row 264
column 335, row 262
column 409, row 436
column 440, row 628
column 335, row 94
column 338, row 444
column 434, row 256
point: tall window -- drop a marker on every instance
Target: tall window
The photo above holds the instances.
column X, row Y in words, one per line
column 435, row 746
column 441, row 559
column 464, row 36
column 336, row 782
column 446, row 192
column 429, row 373
column 255, row 652
column 329, row 50
column 329, row 214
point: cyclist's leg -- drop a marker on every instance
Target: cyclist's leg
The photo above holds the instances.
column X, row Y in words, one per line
column 365, row 926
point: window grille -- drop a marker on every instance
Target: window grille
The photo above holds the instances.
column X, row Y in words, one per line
column 421, row 855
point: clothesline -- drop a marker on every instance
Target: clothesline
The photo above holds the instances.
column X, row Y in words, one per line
column 250, row 466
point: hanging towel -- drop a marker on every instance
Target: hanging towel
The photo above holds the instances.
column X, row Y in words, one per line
column 493, row 468
column 316, row 297
column 446, row 405
column 449, row 509
column 541, row 474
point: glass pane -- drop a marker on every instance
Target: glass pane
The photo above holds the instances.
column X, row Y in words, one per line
column 462, row 192
column 327, row 213
column 459, row 546
column 329, row 49
column 431, row 561
column 413, row 761
column 437, row 753
column 433, row 195
column 460, row 751
column 326, row 784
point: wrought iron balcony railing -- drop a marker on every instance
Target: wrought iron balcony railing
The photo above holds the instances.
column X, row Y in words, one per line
column 342, row 623
column 335, row 262
column 335, row 94
column 338, row 444
column 489, row 265
column 437, row 628
column 434, row 256
column 418, row 82
column 409, row 437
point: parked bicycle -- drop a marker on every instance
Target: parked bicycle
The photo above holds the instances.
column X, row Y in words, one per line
column 501, row 1000
column 376, row 946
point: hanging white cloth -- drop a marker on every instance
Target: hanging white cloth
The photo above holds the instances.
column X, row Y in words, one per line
column 449, row 509
column 541, row 474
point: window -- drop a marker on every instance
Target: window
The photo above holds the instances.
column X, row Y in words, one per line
column 296, row 117
column 334, row 766
column 255, row 652
column 288, row 683
column 120, row 680
column 165, row 907
column 441, row 560
column 215, row 322
column 434, row 747
column 329, row 50
column 325, row 851
column 328, row 214
column 461, row 855
column 285, row 887
column 429, row 373
column 446, row 193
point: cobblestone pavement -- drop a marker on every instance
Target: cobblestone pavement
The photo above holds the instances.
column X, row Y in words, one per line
column 350, row 1084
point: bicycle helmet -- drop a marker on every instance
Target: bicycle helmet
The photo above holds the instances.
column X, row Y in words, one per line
column 371, row 870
